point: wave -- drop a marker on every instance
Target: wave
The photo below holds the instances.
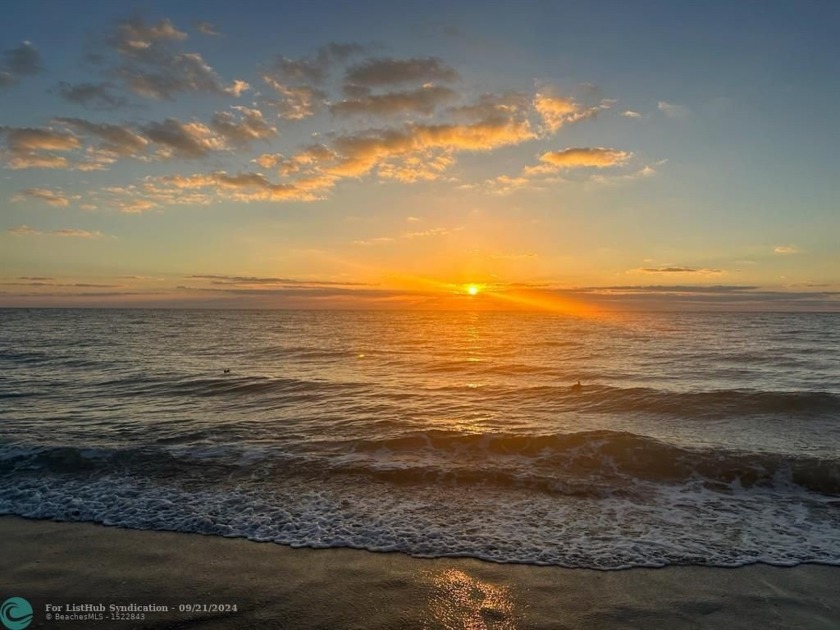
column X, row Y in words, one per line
column 730, row 403
column 603, row 399
column 589, row 463
column 227, row 385
column 671, row 525
column 595, row 460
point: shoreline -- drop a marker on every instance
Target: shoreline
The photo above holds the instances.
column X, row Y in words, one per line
column 272, row 585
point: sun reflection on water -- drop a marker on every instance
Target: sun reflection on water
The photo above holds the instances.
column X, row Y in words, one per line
column 460, row 600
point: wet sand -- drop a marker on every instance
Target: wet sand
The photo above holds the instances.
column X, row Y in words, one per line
column 272, row 586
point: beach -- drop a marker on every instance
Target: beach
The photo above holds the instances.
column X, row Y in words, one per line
column 275, row 586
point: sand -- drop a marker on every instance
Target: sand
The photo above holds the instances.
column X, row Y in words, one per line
column 279, row 587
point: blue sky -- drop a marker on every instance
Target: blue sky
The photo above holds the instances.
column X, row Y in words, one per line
column 384, row 155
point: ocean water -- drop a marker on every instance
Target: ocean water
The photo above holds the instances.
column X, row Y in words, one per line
column 701, row 439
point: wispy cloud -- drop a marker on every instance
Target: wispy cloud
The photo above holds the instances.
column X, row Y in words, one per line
column 679, row 269
column 49, row 196
column 25, row 230
column 388, row 71
column 15, row 63
column 205, row 28
column 423, row 100
column 186, row 140
column 672, row 110
column 121, row 140
column 242, row 125
column 221, row 279
column 557, row 111
column 296, row 82
column 151, row 65
column 409, row 236
column 76, row 233
column 99, row 95
column 28, row 147
column 785, row 249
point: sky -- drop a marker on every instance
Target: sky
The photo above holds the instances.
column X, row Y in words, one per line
column 568, row 156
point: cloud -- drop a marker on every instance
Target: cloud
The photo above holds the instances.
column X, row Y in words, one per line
column 91, row 95
column 186, row 72
column 296, row 102
column 598, row 157
column 413, row 152
column 386, row 71
column 218, row 279
column 205, row 28
column 74, row 233
column 52, row 197
column 427, row 233
column 95, row 146
column 26, row 146
column 512, row 256
column 312, row 69
column 428, row 166
column 508, row 104
column 306, row 161
column 177, row 139
column 23, row 139
column 36, row 282
column 505, row 185
column 242, row 127
column 243, row 187
column 672, row 110
column 135, row 38
column 25, row 230
column 119, row 140
column 360, row 153
column 557, row 111
column 136, row 206
column 628, row 113
column 15, row 63
column 295, row 81
column 642, row 173
column 785, row 249
column 423, row 100
column 673, row 269
column 381, row 240
column 32, row 160
column 153, row 68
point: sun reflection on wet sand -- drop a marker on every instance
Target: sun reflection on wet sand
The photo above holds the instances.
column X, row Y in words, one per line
column 459, row 600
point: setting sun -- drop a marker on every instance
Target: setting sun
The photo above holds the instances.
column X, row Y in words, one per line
column 473, row 289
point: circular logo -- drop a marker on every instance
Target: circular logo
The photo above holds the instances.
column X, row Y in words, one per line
column 16, row 613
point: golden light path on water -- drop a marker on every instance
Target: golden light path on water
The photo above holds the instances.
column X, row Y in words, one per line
column 460, row 600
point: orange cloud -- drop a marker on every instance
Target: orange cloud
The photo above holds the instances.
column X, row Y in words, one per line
column 557, row 111
column 597, row 157
column 51, row 197
column 241, row 128
column 296, row 102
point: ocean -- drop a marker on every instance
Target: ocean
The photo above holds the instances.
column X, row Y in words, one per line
column 695, row 439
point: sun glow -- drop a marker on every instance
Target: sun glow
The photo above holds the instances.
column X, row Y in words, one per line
column 473, row 289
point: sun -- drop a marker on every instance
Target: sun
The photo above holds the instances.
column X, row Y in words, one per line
column 473, row 289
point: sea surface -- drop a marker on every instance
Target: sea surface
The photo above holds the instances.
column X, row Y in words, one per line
column 699, row 439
